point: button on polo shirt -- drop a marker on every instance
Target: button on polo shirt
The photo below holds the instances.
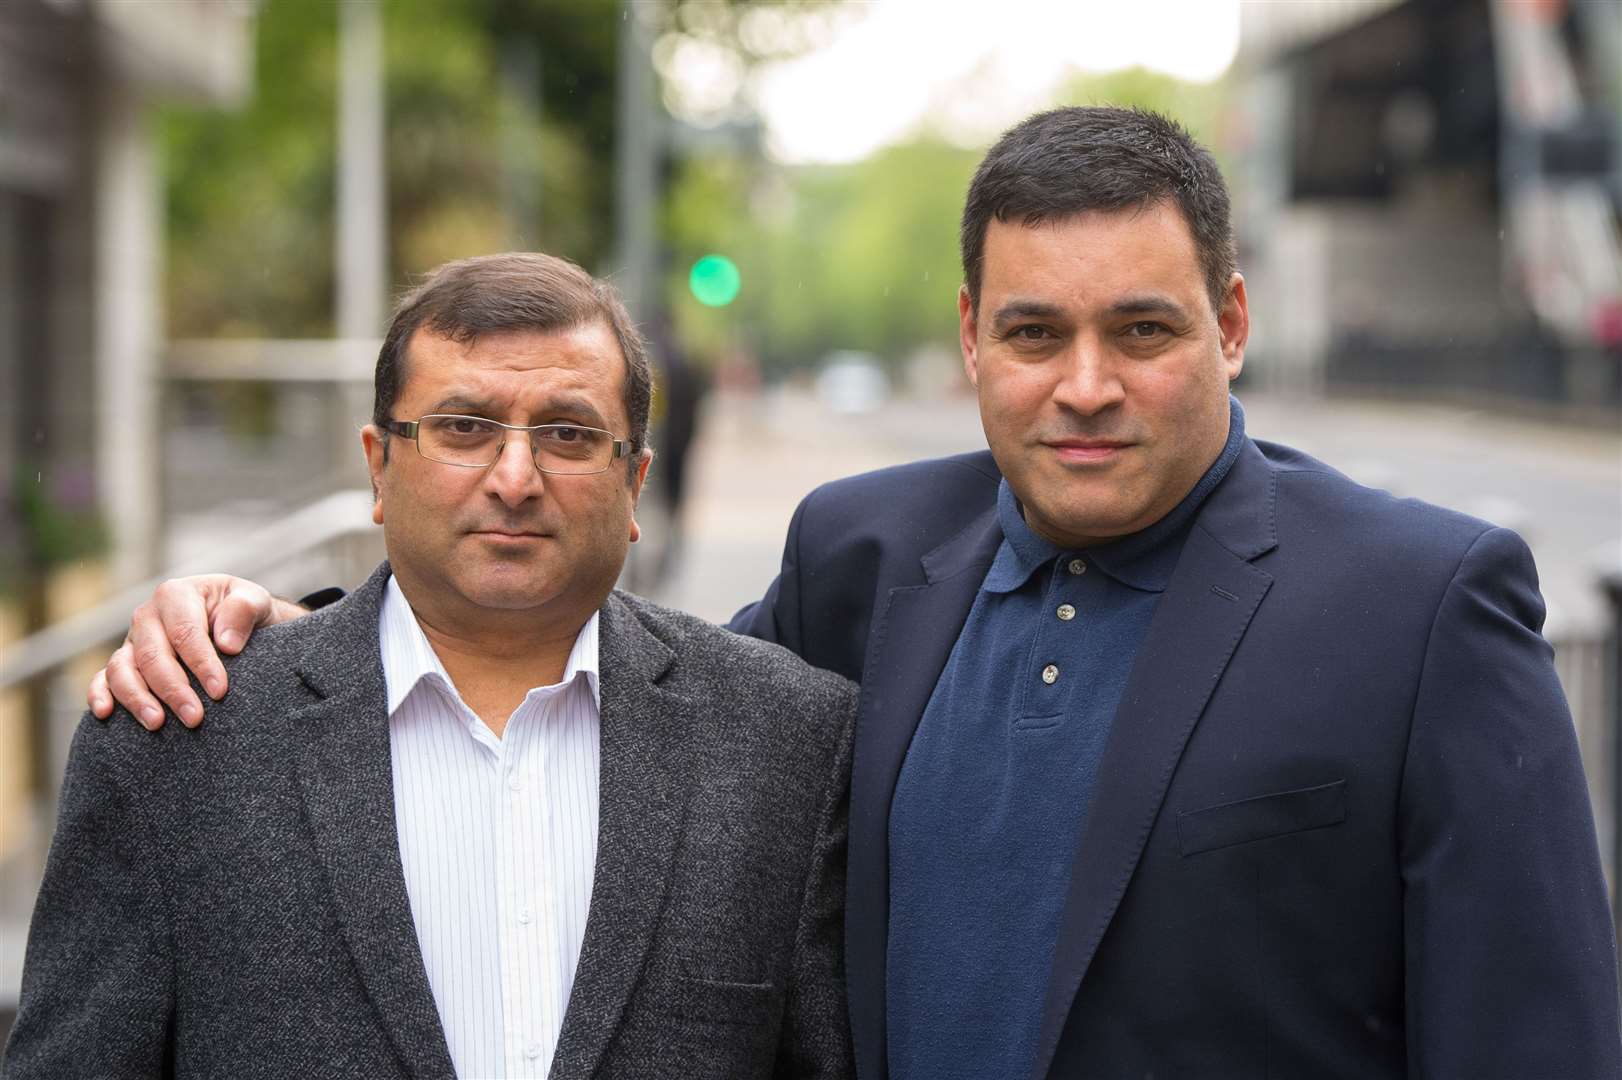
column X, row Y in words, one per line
column 996, row 784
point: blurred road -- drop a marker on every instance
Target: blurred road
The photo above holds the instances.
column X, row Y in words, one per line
column 1560, row 487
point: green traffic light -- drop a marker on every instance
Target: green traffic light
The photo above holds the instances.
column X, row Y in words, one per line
column 715, row 281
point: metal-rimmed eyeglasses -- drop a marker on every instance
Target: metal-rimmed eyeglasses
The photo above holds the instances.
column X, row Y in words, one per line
column 472, row 442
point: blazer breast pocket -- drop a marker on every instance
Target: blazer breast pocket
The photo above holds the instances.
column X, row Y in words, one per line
column 723, row 1002
column 1260, row 818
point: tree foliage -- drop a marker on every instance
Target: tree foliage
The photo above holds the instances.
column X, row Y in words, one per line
column 500, row 133
column 501, row 117
column 250, row 192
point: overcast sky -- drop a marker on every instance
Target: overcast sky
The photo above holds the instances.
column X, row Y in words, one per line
column 978, row 65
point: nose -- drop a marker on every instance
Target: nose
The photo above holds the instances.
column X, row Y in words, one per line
column 1089, row 380
column 514, row 477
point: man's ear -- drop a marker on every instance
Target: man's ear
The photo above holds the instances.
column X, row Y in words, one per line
column 1233, row 323
column 375, row 443
column 639, row 476
column 968, row 334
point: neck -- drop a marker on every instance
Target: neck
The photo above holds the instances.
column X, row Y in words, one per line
column 495, row 660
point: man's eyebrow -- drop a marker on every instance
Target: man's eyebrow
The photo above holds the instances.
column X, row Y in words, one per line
column 463, row 402
column 1149, row 304
column 573, row 404
column 1026, row 309
column 565, row 404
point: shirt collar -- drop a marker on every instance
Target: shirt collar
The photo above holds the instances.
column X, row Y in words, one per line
column 1022, row 551
column 409, row 659
column 1144, row 560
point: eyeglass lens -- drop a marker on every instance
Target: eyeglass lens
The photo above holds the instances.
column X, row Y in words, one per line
column 474, row 441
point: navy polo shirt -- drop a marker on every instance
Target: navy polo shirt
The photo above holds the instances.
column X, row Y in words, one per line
column 991, row 799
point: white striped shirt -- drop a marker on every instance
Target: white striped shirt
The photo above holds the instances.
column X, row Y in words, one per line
column 498, row 838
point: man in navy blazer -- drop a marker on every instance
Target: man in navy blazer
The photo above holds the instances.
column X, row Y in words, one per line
column 1179, row 754
column 1338, row 825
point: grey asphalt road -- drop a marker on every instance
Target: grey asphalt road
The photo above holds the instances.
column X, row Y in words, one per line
column 1559, row 486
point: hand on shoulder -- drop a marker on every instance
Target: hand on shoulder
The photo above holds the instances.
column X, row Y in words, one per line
column 186, row 624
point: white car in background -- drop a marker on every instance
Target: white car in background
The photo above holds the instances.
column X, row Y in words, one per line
column 852, row 382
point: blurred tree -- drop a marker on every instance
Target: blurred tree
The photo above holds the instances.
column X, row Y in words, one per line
column 468, row 119
column 501, row 117
column 250, row 193
column 500, row 134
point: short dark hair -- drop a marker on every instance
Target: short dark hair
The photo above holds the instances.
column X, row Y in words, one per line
column 519, row 290
column 1067, row 161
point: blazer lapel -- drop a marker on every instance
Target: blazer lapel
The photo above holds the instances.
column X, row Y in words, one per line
column 348, row 789
column 908, row 646
column 647, row 739
column 1212, row 597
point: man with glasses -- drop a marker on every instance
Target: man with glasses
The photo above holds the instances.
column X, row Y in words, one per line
column 484, row 816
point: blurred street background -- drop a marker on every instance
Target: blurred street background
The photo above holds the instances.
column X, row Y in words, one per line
column 206, row 207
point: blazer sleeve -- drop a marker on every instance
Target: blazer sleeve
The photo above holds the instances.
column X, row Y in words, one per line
column 97, row 978
column 1510, row 953
column 815, row 1039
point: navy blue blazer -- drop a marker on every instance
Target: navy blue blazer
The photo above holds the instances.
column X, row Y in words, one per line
column 1341, row 827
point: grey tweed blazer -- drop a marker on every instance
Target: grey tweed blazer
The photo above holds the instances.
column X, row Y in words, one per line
column 230, row 902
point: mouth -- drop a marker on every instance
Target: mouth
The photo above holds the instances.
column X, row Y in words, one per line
column 507, row 536
column 1086, row 451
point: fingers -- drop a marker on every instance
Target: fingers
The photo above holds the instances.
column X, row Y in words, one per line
column 175, row 619
column 124, row 682
column 173, row 629
column 98, row 697
column 243, row 609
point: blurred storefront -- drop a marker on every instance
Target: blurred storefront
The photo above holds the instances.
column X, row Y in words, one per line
column 1433, row 191
column 80, row 337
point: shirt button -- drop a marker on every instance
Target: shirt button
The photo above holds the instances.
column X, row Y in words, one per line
column 513, row 782
column 1050, row 674
column 1077, row 566
column 524, row 916
column 1066, row 612
column 532, row 1051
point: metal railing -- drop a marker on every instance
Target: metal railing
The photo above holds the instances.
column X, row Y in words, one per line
column 1582, row 662
column 294, row 537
